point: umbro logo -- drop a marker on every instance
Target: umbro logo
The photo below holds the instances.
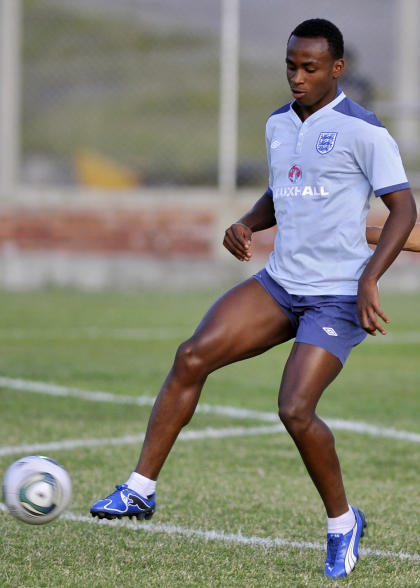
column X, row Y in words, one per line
column 276, row 143
column 330, row 331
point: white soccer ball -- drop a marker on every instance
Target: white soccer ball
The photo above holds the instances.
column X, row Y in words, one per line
column 36, row 489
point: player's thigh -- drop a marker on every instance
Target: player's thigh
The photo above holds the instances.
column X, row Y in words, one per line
column 242, row 323
column 307, row 373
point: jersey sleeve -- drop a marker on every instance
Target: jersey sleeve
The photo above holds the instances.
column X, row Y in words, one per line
column 379, row 159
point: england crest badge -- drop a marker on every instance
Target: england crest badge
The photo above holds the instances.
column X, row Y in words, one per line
column 326, row 142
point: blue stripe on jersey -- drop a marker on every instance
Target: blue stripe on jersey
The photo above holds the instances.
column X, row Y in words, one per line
column 390, row 189
column 281, row 110
column 350, row 108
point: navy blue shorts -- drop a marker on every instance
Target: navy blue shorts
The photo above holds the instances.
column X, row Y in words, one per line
column 330, row 322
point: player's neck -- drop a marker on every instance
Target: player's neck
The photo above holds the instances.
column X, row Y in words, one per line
column 305, row 111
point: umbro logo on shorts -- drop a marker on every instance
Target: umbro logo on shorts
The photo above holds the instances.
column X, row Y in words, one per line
column 330, row 331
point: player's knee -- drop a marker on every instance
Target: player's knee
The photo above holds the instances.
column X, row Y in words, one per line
column 295, row 417
column 189, row 360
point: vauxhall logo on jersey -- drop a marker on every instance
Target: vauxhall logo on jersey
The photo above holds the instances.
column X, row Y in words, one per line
column 299, row 191
column 326, row 142
column 295, row 176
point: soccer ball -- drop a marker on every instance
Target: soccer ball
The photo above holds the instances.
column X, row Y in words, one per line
column 36, row 489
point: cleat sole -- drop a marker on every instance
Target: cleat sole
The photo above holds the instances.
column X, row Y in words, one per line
column 106, row 515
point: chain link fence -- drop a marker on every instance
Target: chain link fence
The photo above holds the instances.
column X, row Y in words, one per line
column 127, row 94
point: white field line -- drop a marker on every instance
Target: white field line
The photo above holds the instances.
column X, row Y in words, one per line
column 153, row 333
column 225, row 411
column 192, row 435
column 223, row 537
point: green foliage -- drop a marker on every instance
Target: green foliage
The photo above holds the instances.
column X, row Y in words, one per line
column 256, row 486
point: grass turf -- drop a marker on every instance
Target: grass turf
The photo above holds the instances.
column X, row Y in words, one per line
column 256, row 486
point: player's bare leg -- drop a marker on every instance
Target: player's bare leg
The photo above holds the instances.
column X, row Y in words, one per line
column 244, row 322
column 308, row 371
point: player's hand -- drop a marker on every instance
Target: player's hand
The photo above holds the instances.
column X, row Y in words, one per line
column 238, row 241
column 368, row 307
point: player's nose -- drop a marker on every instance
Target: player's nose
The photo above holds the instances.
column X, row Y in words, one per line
column 297, row 78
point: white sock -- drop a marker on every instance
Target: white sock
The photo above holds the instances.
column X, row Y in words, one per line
column 342, row 524
column 142, row 485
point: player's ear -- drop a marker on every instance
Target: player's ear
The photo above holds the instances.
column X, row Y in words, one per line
column 338, row 68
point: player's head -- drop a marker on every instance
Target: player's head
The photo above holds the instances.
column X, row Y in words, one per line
column 319, row 27
column 314, row 62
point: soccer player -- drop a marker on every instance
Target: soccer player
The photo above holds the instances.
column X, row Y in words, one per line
column 325, row 156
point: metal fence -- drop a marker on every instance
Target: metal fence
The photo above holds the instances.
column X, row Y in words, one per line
column 142, row 93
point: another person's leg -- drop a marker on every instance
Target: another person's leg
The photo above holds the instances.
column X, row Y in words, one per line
column 244, row 322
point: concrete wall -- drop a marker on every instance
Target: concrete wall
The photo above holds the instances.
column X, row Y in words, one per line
column 148, row 239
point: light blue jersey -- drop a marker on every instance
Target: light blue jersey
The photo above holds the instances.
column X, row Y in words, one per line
column 322, row 173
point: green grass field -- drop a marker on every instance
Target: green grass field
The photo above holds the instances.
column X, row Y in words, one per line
column 235, row 505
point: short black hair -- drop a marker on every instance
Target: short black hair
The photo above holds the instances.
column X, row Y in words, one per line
column 319, row 27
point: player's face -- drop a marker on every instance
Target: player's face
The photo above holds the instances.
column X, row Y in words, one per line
column 312, row 73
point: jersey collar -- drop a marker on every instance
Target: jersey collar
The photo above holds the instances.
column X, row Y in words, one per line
column 319, row 113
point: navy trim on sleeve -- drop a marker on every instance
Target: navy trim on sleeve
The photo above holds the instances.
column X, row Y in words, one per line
column 390, row 189
column 269, row 191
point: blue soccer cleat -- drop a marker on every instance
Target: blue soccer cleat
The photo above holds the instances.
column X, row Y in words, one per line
column 343, row 550
column 124, row 502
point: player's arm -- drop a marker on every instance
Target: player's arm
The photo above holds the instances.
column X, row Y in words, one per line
column 412, row 244
column 238, row 236
column 399, row 224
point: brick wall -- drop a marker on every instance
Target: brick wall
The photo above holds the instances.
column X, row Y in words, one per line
column 163, row 233
column 137, row 233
